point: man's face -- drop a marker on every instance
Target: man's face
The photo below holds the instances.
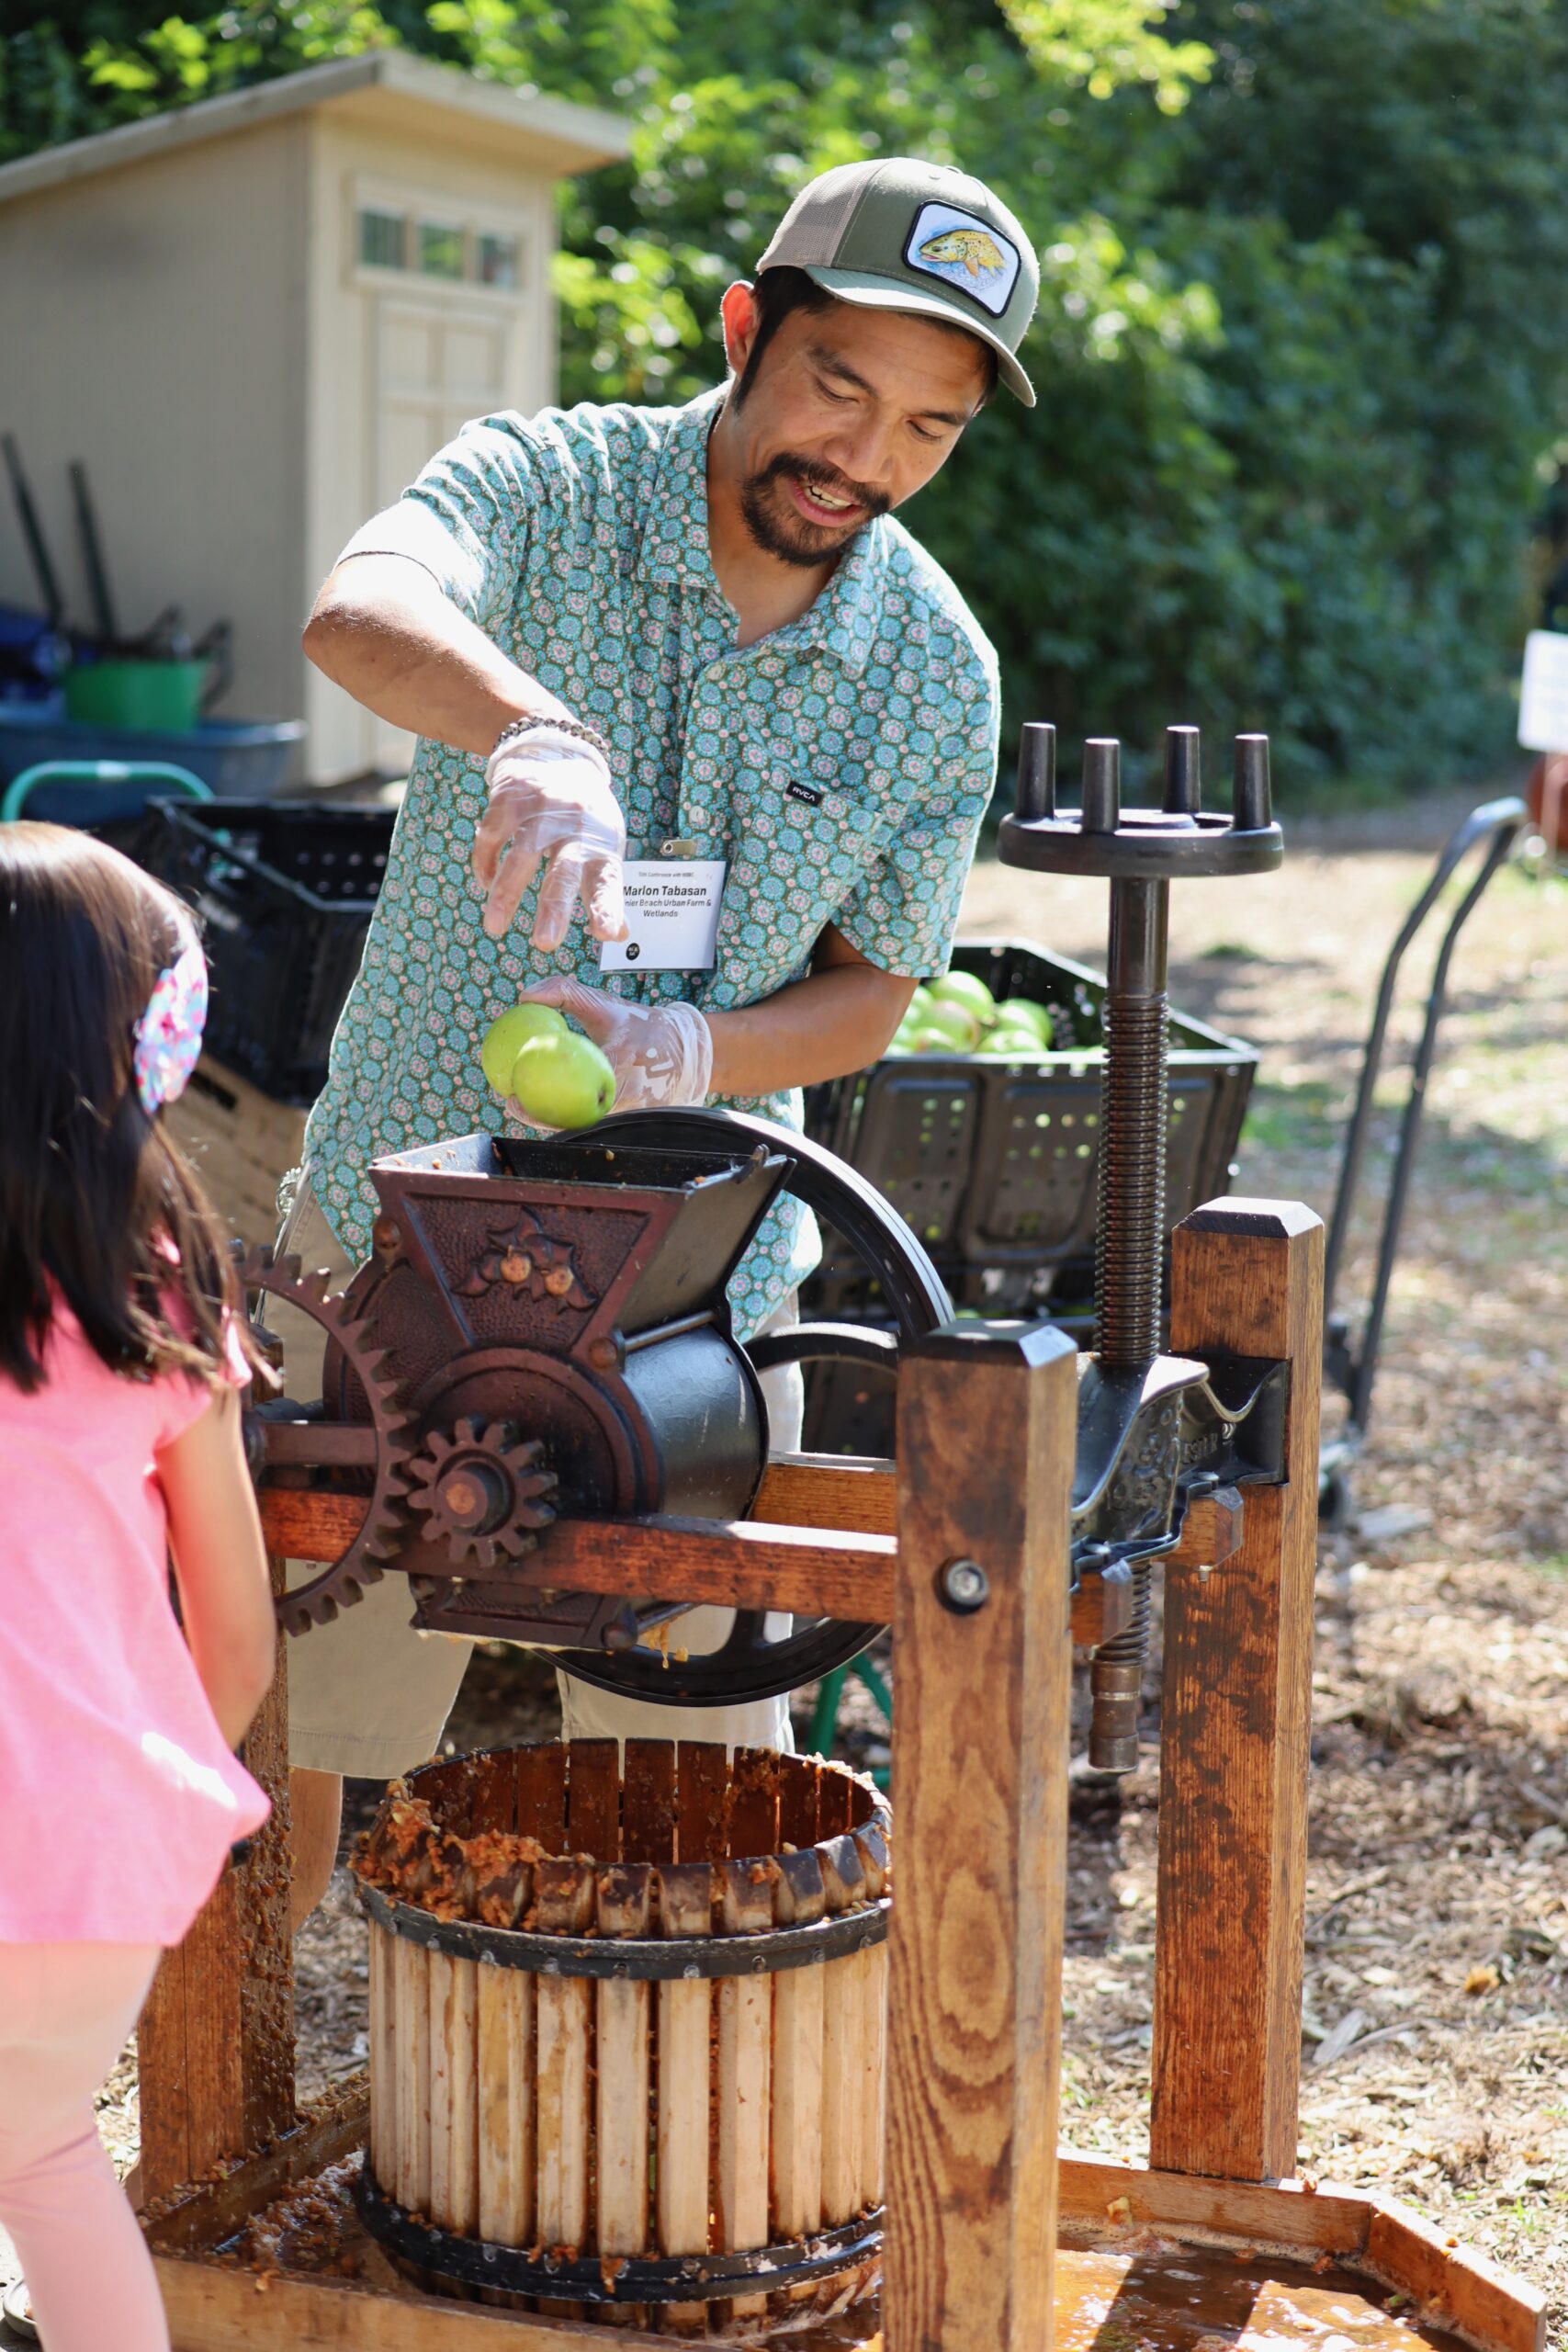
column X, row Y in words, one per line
column 851, row 412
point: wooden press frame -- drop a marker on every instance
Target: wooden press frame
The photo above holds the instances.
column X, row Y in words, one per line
column 979, row 2196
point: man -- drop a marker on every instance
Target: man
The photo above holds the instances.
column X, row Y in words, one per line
column 626, row 635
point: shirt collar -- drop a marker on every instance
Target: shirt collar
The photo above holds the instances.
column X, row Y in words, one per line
column 844, row 619
column 675, row 526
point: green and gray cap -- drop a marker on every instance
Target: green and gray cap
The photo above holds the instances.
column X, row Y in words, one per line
column 903, row 235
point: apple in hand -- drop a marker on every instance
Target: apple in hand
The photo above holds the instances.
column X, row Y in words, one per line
column 505, row 1038
column 562, row 1080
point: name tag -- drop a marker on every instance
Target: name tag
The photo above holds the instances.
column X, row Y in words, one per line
column 671, row 916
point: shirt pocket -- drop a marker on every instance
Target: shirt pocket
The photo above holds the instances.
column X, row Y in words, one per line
column 799, row 849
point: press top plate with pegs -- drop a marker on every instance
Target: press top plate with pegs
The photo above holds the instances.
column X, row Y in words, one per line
column 1177, row 840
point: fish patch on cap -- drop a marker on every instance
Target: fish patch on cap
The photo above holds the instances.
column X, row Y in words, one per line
column 966, row 251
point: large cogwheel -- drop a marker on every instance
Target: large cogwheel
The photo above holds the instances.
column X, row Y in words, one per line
column 385, row 1450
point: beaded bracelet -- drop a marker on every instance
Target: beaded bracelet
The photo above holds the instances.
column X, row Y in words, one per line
column 576, row 726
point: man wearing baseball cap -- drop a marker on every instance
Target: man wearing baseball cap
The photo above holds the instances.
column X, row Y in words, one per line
column 642, row 644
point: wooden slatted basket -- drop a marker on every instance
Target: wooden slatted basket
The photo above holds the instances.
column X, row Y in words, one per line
column 628, row 2031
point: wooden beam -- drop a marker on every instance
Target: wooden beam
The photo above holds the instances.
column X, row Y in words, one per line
column 1101, row 1612
column 856, row 1492
column 1247, row 1278
column 799, row 1491
column 744, row 1563
column 209, row 2211
column 986, row 1434
column 857, row 1495
column 212, row 2310
column 305, row 1526
column 1213, row 1532
column 1101, row 2195
column 216, row 2039
column 1457, row 2288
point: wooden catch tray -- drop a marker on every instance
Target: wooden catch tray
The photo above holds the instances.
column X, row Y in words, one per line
column 1146, row 2261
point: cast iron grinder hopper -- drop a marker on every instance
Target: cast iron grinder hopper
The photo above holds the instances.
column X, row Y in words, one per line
column 542, row 1331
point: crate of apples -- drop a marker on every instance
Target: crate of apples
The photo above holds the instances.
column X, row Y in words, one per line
column 958, row 1014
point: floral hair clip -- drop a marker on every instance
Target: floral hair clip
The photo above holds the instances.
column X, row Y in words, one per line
column 168, row 1035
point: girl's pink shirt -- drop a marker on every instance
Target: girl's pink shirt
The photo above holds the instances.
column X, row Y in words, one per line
column 118, row 1800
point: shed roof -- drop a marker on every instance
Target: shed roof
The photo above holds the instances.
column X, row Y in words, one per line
column 385, row 85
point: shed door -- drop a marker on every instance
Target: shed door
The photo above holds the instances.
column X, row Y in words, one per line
column 436, row 365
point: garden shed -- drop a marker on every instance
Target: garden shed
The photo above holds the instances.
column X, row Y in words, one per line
column 254, row 318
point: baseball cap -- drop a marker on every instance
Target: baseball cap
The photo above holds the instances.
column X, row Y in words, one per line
column 899, row 235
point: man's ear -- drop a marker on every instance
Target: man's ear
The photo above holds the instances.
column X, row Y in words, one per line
column 740, row 316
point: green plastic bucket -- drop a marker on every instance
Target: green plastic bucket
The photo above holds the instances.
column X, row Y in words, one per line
column 164, row 697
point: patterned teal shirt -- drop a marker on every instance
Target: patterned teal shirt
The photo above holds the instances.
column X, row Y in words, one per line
column 578, row 541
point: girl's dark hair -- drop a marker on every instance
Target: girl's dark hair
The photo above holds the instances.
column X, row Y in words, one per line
column 97, row 1206
column 784, row 289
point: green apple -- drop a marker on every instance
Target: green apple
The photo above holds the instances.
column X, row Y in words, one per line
column 505, row 1038
column 961, row 1028
column 972, row 996
column 936, row 1040
column 1021, row 1012
column 1019, row 1044
column 562, row 1081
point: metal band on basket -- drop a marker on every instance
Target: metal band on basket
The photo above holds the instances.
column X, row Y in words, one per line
column 614, row 2278
column 597, row 1956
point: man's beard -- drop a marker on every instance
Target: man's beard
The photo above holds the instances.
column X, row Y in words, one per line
column 780, row 528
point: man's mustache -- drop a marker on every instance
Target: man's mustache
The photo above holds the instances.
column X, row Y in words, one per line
column 814, row 475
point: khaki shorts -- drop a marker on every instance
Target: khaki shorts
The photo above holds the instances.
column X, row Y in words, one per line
column 369, row 1695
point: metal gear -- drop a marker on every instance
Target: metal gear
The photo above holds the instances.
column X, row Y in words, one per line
column 483, row 1490
column 342, row 1581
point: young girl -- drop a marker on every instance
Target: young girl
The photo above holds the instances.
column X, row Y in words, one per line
column 122, row 1352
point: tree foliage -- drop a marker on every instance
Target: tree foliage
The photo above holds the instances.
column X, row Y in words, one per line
column 1297, row 352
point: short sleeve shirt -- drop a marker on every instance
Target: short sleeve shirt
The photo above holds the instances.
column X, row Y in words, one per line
column 119, row 1798
column 840, row 766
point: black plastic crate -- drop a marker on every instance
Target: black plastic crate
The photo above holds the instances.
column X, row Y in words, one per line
column 284, row 890
column 994, row 1162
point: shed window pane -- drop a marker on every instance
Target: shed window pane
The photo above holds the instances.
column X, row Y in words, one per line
column 382, row 242
column 440, row 250
column 497, row 260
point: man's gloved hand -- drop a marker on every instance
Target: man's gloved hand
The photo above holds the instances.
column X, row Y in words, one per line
column 660, row 1052
column 550, row 797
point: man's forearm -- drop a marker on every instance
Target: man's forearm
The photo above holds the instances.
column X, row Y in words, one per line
column 384, row 632
column 836, row 1021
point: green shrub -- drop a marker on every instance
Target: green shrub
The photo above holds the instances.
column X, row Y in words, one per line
column 1298, row 354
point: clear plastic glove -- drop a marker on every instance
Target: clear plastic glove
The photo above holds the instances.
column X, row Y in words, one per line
column 660, row 1052
column 550, row 797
